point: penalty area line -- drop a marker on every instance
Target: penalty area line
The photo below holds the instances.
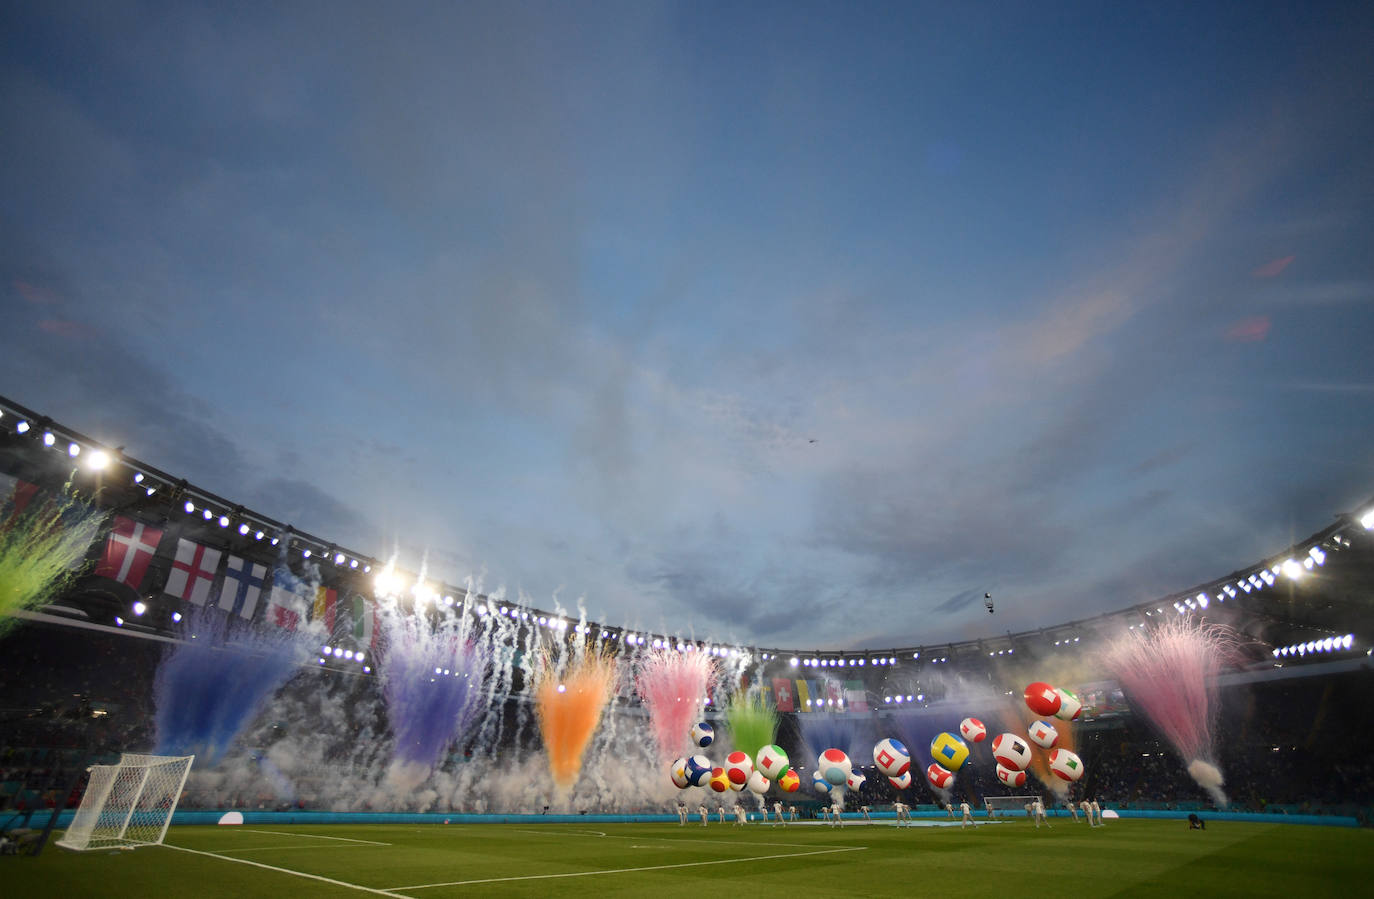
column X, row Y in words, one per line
column 721, row 861
column 316, row 836
column 244, row 861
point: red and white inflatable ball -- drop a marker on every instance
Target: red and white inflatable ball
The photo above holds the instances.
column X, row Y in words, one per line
column 1042, row 698
column 834, row 766
column 855, row 780
column 1011, row 752
column 939, row 777
column 973, row 730
column 1069, row 706
column 1066, row 765
column 891, row 757
column 738, row 767
column 1043, row 734
column 758, row 783
column 902, row 782
column 1011, row 777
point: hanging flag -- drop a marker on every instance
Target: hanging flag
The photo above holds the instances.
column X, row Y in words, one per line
column 242, row 586
column 128, row 551
column 362, row 621
column 834, row 694
column 782, row 689
column 325, row 608
column 290, row 600
column 193, row 572
column 803, row 697
column 18, row 494
column 855, row 696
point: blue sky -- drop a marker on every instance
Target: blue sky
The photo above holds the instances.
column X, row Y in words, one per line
column 798, row 324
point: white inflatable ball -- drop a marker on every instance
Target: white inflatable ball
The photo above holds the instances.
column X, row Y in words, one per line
column 1043, row 734
column 1066, row 765
column 758, row 783
column 703, row 734
column 819, row 783
column 834, row 766
column 1069, row 706
column 973, row 730
column 855, row 780
column 1011, row 751
column 698, row 770
column 901, row 783
column 891, row 757
column 679, row 774
column 772, row 761
column 1011, row 777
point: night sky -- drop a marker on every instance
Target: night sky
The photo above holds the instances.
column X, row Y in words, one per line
column 796, row 324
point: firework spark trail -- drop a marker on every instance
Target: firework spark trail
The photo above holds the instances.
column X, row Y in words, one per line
column 211, row 685
column 431, row 677
column 42, row 548
column 569, row 706
column 753, row 725
column 1170, row 673
column 673, row 687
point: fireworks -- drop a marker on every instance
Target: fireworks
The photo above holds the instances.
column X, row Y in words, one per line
column 432, row 682
column 569, row 705
column 673, row 686
column 753, row 724
column 1170, row 674
column 42, row 546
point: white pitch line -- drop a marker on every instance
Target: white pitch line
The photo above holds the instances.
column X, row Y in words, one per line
column 676, row 841
column 317, row 836
column 277, row 848
column 244, row 861
column 723, row 861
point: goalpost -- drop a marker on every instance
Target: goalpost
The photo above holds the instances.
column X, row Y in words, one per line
column 128, row 804
column 997, row 804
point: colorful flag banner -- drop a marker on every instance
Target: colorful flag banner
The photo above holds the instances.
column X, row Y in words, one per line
column 128, row 551
column 193, row 572
column 242, row 586
column 782, row 689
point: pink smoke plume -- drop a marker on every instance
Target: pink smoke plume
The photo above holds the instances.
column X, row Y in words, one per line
column 673, row 687
column 1170, row 674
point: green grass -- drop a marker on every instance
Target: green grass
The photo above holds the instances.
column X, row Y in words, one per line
column 1124, row 858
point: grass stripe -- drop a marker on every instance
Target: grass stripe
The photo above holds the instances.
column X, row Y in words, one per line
column 723, row 861
column 244, row 861
column 318, row 836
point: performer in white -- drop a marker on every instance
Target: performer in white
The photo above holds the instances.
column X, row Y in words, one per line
column 949, row 807
column 967, row 813
column 1097, row 812
column 903, row 811
column 681, row 814
column 702, row 810
column 864, row 809
column 777, row 815
column 1038, row 807
column 739, row 816
column 1073, row 809
column 720, row 813
column 791, row 813
column 1087, row 808
column 837, row 814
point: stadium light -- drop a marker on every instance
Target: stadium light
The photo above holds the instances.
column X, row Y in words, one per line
column 48, row 438
column 98, row 460
column 1291, row 569
column 22, row 427
column 140, row 608
column 189, row 507
column 1367, row 520
column 207, row 514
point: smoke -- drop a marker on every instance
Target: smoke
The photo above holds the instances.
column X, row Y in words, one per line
column 43, row 543
column 1208, row 776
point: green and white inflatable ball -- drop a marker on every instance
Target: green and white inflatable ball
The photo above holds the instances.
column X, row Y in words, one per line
column 1069, row 706
column 772, row 761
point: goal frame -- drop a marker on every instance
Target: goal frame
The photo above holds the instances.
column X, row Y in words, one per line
column 1001, row 804
column 128, row 804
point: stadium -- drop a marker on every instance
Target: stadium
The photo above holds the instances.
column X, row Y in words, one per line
column 334, row 703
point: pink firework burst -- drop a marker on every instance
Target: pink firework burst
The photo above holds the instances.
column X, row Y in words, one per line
column 673, row 687
column 1170, row 674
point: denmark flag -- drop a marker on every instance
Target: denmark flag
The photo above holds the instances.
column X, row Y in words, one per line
column 128, row 551
column 193, row 571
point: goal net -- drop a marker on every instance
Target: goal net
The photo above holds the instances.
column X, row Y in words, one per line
column 128, row 804
column 1001, row 805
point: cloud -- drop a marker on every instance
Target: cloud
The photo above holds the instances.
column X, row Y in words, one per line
column 1274, row 268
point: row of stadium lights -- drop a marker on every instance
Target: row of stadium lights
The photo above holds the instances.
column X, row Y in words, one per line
column 1327, row 644
column 920, row 697
column 98, row 459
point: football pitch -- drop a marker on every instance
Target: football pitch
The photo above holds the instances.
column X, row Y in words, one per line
column 433, row 861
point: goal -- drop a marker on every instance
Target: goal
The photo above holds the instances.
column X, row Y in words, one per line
column 128, row 804
column 1003, row 804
